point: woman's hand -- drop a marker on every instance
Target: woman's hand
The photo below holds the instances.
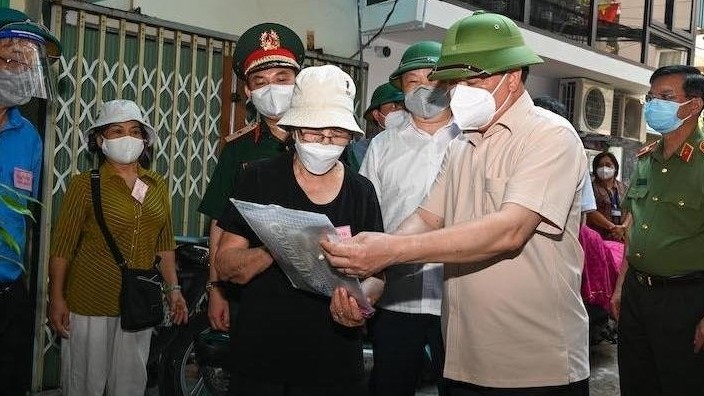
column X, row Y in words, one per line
column 344, row 309
column 177, row 307
column 59, row 316
column 618, row 232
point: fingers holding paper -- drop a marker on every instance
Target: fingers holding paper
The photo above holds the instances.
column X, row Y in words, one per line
column 344, row 309
column 367, row 253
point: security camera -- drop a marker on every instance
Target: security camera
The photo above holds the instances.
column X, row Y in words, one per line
column 382, row 51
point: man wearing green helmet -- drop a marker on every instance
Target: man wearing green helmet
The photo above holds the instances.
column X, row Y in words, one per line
column 402, row 163
column 503, row 215
column 25, row 51
column 385, row 110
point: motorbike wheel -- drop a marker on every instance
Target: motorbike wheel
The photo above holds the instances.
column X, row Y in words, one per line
column 180, row 373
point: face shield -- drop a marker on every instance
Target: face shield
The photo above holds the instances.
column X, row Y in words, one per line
column 24, row 70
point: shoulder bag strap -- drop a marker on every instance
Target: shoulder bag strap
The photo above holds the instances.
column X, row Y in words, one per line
column 98, row 210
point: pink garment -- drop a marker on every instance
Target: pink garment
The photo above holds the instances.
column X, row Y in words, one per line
column 602, row 262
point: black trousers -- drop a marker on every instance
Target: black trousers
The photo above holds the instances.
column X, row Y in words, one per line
column 656, row 335
column 16, row 339
column 399, row 341
column 580, row 388
column 246, row 386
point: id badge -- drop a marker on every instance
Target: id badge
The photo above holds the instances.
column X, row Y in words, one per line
column 615, row 212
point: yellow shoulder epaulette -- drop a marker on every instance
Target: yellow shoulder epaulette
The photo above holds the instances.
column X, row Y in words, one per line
column 241, row 132
column 647, row 149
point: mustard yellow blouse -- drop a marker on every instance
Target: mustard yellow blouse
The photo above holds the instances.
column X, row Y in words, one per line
column 139, row 229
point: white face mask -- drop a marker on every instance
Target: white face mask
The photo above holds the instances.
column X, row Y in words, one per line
column 427, row 101
column 272, row 100
column 605, row 172
column 318, row 158
column 395, row 119
column 12, row 91
column 473, row 108
column 124, row 150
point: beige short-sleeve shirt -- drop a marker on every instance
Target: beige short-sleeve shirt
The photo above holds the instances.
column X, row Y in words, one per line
column 516, row 320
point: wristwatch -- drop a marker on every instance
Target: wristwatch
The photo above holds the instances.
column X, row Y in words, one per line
column 211, row 285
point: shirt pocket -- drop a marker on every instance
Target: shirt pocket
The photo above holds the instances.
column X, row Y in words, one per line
column 494, row 190
column 637, row 192
column 688, row 201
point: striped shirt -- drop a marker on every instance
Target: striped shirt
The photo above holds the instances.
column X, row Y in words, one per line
column 139, row 229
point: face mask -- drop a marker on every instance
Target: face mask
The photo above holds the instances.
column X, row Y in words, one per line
column 272, row 100
column 661, row 115
column 318, row 158
column 605, row 172
column 395, row 120
column 427, row 102
column 12, row 92
column 124, row 150
column 472, row 107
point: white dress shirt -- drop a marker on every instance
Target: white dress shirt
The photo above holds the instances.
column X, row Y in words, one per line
column 402, row 165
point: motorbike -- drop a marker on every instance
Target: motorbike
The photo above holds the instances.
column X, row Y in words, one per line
column 189, row 359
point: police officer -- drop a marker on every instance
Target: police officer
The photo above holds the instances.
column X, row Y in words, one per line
column 659, row 297
column 267, row 57
column 24, row 51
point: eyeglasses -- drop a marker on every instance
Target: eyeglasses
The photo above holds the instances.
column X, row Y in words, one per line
column 668, row 97
column 335, row 136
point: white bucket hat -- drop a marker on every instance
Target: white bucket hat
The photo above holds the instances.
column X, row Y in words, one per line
column 120, row 110
column 323, row 97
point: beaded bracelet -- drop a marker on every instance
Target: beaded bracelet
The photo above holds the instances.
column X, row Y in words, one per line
column 170, row 288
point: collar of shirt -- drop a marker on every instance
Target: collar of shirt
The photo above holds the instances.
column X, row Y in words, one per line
column 510, row 121
column 447, row 130
column 108, row 171
column 14, row 120
column 694, row 140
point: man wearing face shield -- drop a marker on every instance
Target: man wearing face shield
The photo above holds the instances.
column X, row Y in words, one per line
column 403, row 161
column 24, row 50
column 503, row 215
column 267, row 58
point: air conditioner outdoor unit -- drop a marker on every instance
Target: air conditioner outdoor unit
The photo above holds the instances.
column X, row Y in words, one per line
column 628, row 120
column 589, row 104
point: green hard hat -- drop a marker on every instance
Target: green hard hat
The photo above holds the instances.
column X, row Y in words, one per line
column 420, row 55
column 482, row 43
column 265, row 46
column 16, row 24
column 384, row 93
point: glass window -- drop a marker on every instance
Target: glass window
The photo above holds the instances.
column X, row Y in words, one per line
column 620, row 28
column 569, row 18
column 682, row 15
column 662, row 52
column 511, row 8
column 658, row 15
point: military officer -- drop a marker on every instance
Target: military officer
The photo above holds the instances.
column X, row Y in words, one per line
column 267, row 57
column 659, row 296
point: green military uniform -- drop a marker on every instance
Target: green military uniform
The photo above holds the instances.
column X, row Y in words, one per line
column 261, row 47
column 234, row 157
column 666, row 198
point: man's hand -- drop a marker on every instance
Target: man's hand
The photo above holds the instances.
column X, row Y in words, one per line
column 699, row 337
column 344, row 309
column 218, row 311
column 59, row 316
column 367, row 253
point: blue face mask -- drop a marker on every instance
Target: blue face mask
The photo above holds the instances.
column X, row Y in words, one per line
column 661, row 115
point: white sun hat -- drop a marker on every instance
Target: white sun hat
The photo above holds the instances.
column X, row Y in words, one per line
column 120, row 110
column 323, row 97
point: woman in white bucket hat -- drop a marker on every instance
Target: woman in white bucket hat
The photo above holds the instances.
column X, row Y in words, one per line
column 97, row 355
column 286, row 341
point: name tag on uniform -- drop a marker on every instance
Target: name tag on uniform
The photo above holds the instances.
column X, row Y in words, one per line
column 22, row 179
column 615, row 212
column 139, row 191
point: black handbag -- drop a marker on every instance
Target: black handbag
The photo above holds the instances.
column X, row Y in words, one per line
column 141, row 303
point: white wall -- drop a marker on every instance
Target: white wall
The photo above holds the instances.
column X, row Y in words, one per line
column 334, row 21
